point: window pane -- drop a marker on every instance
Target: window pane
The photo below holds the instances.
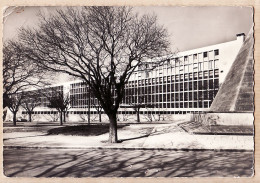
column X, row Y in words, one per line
column 216, row 52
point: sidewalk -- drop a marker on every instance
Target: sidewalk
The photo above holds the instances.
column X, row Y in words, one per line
column 134, row 136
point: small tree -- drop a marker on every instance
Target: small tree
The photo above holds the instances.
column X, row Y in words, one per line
column 30, row 101
column 149, row 114
column 13, row 103
column 99, row 111
column 60, row 102
column 137, row 106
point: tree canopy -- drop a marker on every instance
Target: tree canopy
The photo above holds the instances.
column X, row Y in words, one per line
column 102, row 46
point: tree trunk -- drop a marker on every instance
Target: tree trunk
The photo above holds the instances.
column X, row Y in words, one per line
column 64, row 117
column 61, row 118
column 4, row 114
column 14, row 118
column 199, row 117
column 112, row 128
column 89, row 114
column 138, row 115
column 100, row 116
column 30, row 116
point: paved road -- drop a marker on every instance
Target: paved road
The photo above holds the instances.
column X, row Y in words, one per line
column 125, row 163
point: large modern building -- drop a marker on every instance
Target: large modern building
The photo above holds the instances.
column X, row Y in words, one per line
column 186, row 83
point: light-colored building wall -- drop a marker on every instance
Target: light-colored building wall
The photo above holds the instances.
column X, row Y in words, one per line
column 216, row 58
column 227, row 54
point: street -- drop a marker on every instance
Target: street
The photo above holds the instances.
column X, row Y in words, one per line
column 125, row 163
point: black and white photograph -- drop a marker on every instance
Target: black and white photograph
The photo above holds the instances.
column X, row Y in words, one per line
column 128, row 91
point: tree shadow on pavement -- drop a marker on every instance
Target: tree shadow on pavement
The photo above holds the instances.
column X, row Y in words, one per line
column 133, row 138
column 82, row 130
column 125, row 163
column 152, row 132
column 23, row 137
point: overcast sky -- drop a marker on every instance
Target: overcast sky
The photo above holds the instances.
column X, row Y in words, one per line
column 189, row 27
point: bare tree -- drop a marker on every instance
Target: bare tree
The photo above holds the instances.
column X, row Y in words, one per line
column 14, row 102
column 60, row 102
column 19, row 73
column 99, row 111
column 137, row 105
column 149, row 115
column 30, row 101
column 102, row 46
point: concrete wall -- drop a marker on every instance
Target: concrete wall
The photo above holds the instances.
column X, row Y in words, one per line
column 243, row 119
column 236, row 93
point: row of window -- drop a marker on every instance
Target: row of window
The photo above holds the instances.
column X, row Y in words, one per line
column 171, row 99
column 176, row 87
column 77, row 85
column 177, row 61
column 203, row 57
column 190, row 91
column 174, row 78
column 152, row 111
column 206, row 94
column 205, row 54
column 201, row 66
column 41, row 112
column 47, row 92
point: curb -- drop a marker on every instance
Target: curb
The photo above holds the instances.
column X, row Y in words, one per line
column 128, row 148
column 214, row 133
column 231, row 134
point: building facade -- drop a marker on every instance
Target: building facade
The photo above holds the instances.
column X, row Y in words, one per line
column 186, row 83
